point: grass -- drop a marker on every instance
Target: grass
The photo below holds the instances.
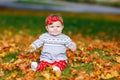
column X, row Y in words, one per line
column 10, row 56
column 86, row 26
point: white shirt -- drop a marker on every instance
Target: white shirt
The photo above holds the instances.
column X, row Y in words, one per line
column 54, row 47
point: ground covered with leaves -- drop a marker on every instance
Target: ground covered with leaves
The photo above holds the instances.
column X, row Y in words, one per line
column 97, row 56
column 93, row 59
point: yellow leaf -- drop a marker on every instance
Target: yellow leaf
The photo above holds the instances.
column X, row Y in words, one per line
column 29, row 48
column 3, row 54
column 57, row 73
column 46, row 75
column 1, row 72
column 117, row 59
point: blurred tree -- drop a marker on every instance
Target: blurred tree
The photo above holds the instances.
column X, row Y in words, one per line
column 114, row 3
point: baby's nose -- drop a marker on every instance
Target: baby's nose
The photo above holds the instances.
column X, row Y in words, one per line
column 55, row 28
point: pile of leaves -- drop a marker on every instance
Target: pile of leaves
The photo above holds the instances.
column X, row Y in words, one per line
column 94, row 59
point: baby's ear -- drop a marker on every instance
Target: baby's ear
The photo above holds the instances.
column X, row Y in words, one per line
column 46, row 27
column 63, row 26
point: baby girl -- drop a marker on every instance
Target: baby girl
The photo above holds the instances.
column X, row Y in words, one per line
column 54, row 44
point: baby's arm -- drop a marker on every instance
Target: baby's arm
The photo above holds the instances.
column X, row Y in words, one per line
column 72, row 47
column 70, row 44
column 35, row 45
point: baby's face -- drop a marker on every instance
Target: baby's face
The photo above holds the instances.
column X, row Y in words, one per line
column 55, row 28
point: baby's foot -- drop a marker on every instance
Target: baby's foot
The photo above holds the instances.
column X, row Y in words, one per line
column 34, row 66
column 55, row 68
column 57, row 71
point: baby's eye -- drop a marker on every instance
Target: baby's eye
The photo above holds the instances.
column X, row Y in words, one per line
column 51, row 26
column 58, row 26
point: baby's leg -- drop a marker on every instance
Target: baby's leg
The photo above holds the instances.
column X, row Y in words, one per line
column 59, row 65
column 42, row 65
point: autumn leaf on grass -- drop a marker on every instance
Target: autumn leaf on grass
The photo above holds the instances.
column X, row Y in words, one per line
column 116, row 67
column 1, row 72
column 65, row 78
column 86, row 59
column 95, row 75
column 5, row 48
column 109, row 75
column 46, row 75
column 76, row 58
column 70, row 55
column 8, row 66
column 34, row 56
column 18, row 61
column 1, row 60
column 22, row 56
column 98, row 64
column 24, row 67
column 3, row 54
column 12, row 76
column 73, row 71
column 95, row 55
column 117, row 59
column 57, row 73
column 75, row 65
column 30, row 75
column 49, row 74
column 22, row 64
column 29, row 48
column 81, row 75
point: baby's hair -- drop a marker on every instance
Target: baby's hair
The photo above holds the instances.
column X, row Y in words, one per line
column 53, row 18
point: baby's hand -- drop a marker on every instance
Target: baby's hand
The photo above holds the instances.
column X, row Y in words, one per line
column 72, row 48
column 28, row 49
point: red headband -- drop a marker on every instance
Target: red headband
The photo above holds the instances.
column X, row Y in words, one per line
column 53, row 18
